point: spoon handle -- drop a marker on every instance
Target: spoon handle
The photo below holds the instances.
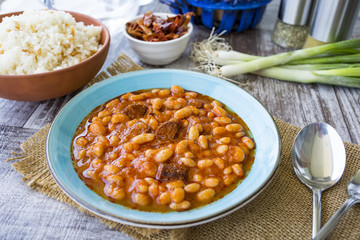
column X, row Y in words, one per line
column 316, row 211
column 329, row 226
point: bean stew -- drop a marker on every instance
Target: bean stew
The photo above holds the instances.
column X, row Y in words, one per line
column 162, row 150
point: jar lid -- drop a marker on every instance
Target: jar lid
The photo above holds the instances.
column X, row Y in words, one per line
column 295, row 12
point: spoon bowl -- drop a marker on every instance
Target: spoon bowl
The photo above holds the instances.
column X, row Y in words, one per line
column 353, row 189
column 318, row 156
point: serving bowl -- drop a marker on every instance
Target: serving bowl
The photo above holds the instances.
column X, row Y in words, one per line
column 261, row 124
column 159, row 53
column 48, row 85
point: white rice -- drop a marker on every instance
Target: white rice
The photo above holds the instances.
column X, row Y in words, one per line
column 42, row 40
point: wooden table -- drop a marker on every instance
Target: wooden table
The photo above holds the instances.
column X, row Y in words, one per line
column 25, row 214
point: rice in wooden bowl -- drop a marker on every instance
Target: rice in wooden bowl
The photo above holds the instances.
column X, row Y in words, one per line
column 46, row 54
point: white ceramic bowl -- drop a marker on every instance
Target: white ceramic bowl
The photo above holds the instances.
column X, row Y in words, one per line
column 159, row 53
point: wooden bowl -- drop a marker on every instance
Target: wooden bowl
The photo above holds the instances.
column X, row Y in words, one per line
column 48, row 85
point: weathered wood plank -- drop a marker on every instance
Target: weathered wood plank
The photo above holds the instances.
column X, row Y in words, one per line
column 46, row 111
column 349, row 105
column 10, row 140
column 15, row 113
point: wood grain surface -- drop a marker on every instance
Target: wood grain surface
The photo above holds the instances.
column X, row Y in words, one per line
column 25, row 214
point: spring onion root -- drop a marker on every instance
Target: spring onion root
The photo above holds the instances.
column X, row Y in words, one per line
column 335, row 63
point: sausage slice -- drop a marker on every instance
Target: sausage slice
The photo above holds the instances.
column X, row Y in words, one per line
column 168, row 130
column 171, row 171
column 135, row 111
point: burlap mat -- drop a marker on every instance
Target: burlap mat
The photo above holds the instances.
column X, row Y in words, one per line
column 282, row 211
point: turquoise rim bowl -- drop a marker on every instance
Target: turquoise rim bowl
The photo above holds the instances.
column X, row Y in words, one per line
column 260, row 122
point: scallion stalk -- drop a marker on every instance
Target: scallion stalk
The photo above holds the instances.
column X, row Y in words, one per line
column 306, row 76
column 335, row 63
column 344, row 51
column 352, row 58
column 321, row 66
column 283, row 58
column 346, row 72
column 233, row 55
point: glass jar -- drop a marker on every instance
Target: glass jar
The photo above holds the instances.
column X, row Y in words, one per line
column 290, row 36
column 292, row 26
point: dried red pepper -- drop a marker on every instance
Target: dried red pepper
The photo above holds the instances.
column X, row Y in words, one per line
column 153, row 28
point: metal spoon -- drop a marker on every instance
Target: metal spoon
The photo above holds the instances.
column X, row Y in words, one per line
column 318, row 157
column 353, row 189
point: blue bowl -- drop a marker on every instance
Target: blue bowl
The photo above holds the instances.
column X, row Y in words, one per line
column 261, row 124
column 226, row 15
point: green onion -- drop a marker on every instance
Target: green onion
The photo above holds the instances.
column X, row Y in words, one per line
column 353, row 58
column 321, row 66
column 335, row 63
column 346, row 72
column 233, row 55
column 283, row 58
column 334, row 77
column 344, row 51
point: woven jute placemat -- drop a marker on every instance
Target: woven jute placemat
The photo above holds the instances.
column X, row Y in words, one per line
column 283, row 210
